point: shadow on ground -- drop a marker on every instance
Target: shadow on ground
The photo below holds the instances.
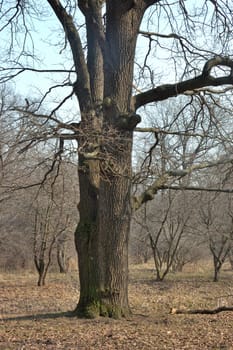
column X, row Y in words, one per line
column 45, row 316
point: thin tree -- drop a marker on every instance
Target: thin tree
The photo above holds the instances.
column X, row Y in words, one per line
column 216, row 218
column 51, row 223
column 166, row 226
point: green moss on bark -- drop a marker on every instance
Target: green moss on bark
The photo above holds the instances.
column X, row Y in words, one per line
column 112, row 311
column 96, row 308
column 90, row 310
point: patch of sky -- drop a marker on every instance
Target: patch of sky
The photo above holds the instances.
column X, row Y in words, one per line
column 37, row 42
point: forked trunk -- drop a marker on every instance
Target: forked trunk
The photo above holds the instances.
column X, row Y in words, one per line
column 105, row 211
column 41, row 280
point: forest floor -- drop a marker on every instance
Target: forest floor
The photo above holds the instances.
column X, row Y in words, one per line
column 34, row 317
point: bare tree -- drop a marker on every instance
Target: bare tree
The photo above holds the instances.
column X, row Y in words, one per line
column 216, row 218
column 188, row 252
column 166, row 227
column 52, row 224
column 140, row 250
column 48, row 228
column 100, row 74
column 18, row 195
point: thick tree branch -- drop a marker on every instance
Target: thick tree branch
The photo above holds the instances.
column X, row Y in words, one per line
column 92, row 11
column 160, row 183
column 150, row 192
column 82, row 86
column 163, row 92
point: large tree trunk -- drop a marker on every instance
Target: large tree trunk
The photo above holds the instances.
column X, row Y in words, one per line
column 104, row 90
column 105, row 180
column 114, row 228
column 103, row 232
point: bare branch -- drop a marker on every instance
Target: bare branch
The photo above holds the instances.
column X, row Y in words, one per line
column 180, row 38
column 194, row 188
column 201, row 311
column 13, row 72
column 169, row 132
column 163, row 92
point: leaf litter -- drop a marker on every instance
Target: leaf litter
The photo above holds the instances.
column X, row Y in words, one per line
column 35, row 318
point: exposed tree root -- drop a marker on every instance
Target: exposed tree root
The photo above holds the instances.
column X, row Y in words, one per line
column 202, row 311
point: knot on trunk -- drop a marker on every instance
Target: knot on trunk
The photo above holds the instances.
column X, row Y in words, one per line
column 128, row 121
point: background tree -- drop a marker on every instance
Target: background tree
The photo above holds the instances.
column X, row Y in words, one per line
column 100, row 74
column 52, row 226
column 24, row 173
column 166, row 225
column 140, row 250
column 216, row 218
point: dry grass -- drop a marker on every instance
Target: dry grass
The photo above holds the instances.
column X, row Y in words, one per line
column 35, row 318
